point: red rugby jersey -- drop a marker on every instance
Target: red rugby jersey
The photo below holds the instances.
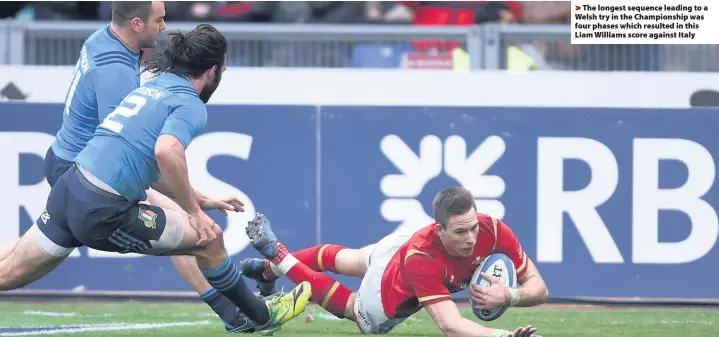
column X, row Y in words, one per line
column 422, row 273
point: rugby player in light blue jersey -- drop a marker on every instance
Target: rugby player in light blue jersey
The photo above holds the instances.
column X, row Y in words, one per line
column 107, row 70
column 98, row 203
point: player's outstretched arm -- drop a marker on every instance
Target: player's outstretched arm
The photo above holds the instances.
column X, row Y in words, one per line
column 532, row 290
column 447, row 317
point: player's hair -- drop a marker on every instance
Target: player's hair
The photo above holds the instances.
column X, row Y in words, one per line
column 452, row 201
column 190, row 54
column 124, row 11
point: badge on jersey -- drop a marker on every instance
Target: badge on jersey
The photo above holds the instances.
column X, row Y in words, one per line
column 148, row 217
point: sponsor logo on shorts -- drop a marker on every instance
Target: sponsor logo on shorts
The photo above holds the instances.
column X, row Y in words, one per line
column 148, row 217
column 361, row 315
column 364, row 319
column 45, row 217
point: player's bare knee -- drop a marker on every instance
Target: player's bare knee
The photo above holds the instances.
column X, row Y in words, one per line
column 16, row 277
column 218, row 243
column 11, row 278
column 211, row 250
column 351, row 262
column 349, row 308
column 34, row 256
column 219, row 236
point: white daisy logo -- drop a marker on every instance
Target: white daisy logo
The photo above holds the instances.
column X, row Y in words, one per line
column 434, row 158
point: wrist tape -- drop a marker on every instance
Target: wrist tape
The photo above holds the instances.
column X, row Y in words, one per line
column 515, row 296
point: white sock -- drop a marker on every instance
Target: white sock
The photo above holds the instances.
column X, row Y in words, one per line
column 284, row 267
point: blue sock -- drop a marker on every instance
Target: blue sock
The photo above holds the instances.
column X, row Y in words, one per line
column 226, row 278
column 221, row 305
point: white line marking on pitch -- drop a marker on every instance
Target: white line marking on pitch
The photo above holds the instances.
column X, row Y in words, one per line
column 652, row 322
column 61, row 314
column 49, row 313
column 102, row 327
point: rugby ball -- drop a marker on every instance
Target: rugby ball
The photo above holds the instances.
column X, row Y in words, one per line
column 501, row 267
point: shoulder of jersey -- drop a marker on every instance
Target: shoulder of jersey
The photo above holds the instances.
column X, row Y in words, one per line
column 103, row 51
column 422, row 240
column 486, row 222
column 182, row 91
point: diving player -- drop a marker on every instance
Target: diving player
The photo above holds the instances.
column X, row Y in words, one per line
column 405, row 272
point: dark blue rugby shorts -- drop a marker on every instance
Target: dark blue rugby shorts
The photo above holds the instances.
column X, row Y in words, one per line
column 79, row 214
column 55, row 167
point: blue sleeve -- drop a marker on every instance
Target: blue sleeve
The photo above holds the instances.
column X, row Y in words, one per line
column 112, row 84
column 185, row 121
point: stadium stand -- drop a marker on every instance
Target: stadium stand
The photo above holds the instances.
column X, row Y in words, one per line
column 493, row 35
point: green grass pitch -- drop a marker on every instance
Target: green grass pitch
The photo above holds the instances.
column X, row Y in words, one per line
column 195, row 319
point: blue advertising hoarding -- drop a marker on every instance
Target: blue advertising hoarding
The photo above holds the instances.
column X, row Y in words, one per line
column 607, row 202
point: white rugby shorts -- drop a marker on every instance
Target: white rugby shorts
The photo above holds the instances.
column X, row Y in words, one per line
column 368, row 309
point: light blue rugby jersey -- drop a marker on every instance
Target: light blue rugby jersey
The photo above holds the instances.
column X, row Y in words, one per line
column 122, row 152
column 106, row 72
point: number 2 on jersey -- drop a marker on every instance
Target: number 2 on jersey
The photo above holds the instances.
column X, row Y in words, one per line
column 111, row 123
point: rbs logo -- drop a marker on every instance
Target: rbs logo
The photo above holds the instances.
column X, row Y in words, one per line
column 646, row 201
column 418, row 169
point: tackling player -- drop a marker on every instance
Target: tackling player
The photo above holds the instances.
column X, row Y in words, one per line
column 108, row 69
column 98, row 202
column 403, row 273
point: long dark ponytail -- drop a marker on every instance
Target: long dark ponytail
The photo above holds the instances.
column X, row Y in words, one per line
column 190, row 54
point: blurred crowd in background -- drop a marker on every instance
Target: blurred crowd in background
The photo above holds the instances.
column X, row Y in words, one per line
column 345, row 12
column 559, row 54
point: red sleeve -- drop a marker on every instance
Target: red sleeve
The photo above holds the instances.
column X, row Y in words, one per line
column 425, row 275
column 508, row 243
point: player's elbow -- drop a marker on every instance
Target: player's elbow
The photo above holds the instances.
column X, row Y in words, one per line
column 165, row 148
column 450, row 328
column 541, row 293
column 544, row 294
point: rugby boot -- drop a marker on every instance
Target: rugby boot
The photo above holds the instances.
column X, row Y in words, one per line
column 262, row 237
column 241, row 323
column 285, row 307
column 254, row 269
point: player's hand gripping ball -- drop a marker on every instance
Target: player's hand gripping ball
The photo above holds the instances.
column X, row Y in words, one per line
column 499, row 266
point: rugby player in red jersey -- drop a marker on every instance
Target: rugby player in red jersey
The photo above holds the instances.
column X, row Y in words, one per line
column 403, row 273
